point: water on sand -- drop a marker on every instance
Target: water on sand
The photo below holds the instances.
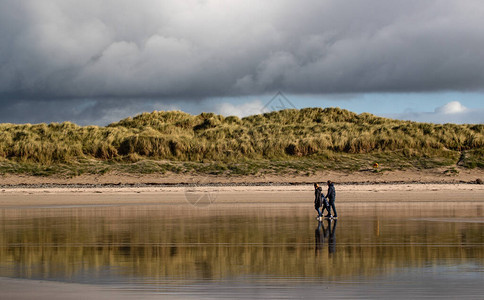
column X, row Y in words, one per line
column 379, row 250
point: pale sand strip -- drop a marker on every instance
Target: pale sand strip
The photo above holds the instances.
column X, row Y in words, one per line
column 244, row 188
column 239, row 194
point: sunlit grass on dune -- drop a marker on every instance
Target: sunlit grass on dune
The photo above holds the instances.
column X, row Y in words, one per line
column 309, row 139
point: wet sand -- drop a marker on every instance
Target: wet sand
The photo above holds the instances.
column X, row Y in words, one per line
column 347, row 196
column 380, row 288
column 25, row 289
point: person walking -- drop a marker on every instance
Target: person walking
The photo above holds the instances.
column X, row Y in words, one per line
column 318, row 195
column 331, row 195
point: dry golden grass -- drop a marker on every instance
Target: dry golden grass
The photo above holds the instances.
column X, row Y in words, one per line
column 287, row 135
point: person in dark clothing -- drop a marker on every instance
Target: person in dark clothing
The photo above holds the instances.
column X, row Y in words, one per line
column 331, row 195
column 318, row 194
column 325, row 205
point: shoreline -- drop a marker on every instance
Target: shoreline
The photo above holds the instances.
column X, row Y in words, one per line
column 430, row 184
column 218, row 184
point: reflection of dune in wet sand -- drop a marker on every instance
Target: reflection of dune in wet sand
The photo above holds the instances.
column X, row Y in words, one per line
column 177, row 240
column 246, row 232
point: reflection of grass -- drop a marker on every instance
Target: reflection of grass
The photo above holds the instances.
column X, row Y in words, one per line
column 281, row 142
column 165, row 243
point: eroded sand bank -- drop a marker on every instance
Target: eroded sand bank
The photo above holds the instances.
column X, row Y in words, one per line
column 447, row 175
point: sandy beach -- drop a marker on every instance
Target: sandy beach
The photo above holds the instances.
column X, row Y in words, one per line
column 353, row 190
column 346, row 193
column 362, row 186
column 388, row 197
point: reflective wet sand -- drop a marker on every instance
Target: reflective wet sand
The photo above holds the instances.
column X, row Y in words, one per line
column 249, row 250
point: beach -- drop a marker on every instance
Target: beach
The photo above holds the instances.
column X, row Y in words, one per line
column 346, row 193
column 90, row 206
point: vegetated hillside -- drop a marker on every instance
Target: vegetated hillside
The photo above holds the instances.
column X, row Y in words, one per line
column 330, row 137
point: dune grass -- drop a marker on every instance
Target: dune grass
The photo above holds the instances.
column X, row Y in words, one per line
column 305, row 140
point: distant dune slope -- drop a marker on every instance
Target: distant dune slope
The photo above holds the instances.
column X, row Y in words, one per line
column 330, row 136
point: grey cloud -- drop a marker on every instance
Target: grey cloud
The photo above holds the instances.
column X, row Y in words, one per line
column 79, row 111
column 68, row 50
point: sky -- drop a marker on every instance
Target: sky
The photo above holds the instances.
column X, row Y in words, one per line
column 98, row 61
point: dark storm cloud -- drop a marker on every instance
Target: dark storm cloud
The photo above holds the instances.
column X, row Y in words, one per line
column 68, row 50
column 79, row 111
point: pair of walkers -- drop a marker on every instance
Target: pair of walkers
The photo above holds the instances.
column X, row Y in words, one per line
column 327, row 202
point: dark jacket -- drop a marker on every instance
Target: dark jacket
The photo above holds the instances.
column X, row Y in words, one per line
column 331, row 193
column 318, row 195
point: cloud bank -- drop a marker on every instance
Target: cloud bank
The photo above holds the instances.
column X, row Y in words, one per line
column 196, row 49
column 114, row 51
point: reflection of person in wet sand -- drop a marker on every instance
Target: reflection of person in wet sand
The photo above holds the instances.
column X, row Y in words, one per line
column 322, row 233
column 319, row 237
column 332, row 236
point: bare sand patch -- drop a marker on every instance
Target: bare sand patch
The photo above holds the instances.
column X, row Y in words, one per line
column 238, row 194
